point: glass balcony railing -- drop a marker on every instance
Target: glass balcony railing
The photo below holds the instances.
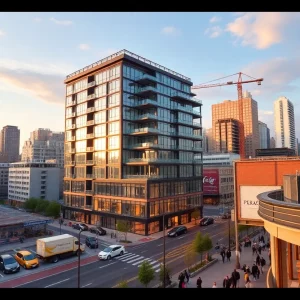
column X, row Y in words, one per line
column 159, row 160
column 89, row 207
column 141, row 176
column 70, row 163
column 72, row 126
column 92, row 96
column 146, row 116
column 145, row 145
column 90, row 176
column 90, row 84
column 91, row 122
column 71, row 103
column 146, row 89
column 89, row 149
column 90, row 192
column 90, row 136
column 145, row 102
column 145, row 78
column 73, row 150
column 90, row 161
column 196, row 124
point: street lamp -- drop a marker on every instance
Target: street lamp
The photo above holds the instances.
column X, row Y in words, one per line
column 79, row 254
column 164, row 252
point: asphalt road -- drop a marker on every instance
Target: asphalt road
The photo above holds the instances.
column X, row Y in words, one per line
column 110, row 273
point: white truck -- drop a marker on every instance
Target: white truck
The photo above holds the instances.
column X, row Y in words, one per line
column 56, row 247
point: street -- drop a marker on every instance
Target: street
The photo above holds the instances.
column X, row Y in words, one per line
column 109, row 273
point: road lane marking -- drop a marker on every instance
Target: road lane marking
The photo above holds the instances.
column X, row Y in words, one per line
column 1, row 275
column 159, row 245
column 139, row 262
column 125, row 256
column 107, row 265
column 204, row 229
column 144, row 251
column 139, row 258
column 154, row 267
column 126, row 259
column 181, row 238
column 220, row 239
column 87, row 285
column 57, row 283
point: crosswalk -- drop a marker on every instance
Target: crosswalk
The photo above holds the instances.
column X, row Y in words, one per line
column 137, row 260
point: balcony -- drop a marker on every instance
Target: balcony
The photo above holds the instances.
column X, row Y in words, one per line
column 70, row 163
column 90, row 176
column 71, row 139
column 89, row 192
column 90, row 136
column 152, row 160
column 145, row 90
column 90, row 109
column 88, row 207
column 91, row 122
column 73, row 150
column 140, row 176
column 145, row 117
column 73, row 126
column 145, row 130
column 145, row 102
column 72, row 103
column 145, row 78
column 92, row 96
column 144, row 146
column 90, row 162
column 89, row 149
column 197, row 124
column 186, row 97
column 90, row 84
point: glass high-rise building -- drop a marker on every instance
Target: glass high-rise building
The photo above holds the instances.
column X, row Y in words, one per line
column 133, row 129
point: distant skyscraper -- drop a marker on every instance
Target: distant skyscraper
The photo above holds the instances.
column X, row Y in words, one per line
column 209, row 140
column 284, row 123
column 10, row 143
column 229, row 110
column 272, row 143
column 264, row 135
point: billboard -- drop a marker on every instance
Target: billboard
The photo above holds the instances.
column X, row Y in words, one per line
column 249, row 202
column 210, row 182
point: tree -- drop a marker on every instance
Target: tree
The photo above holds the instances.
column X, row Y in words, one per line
column 42, row 206
column 190, row 256
column 207, row 243
column 123, row 226
column 146, row 273
column 31, row 204
column 195, row 215
column 161, row 274
column 198, row 244
column 123, row 284
column 53, row 209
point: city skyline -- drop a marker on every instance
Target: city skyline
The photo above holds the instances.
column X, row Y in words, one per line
column 34, row 64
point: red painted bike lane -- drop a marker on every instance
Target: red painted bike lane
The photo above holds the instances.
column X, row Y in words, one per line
column 46, row 273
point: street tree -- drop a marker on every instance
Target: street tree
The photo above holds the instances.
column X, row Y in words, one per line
column 123, row 284
column 195, row 215
column 53, row 209
column 146, row 273
column 31, row 204
column 207, row 243
column 42, row 206
column 167, row 273
column 198, row 244
column 190, row 256
column 123, row 226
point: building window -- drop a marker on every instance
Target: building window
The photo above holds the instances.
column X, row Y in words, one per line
column 114, row 172
column 100, row 144
column 114, row 114
column 114, row 127
column 114, row 142
column 113, row 157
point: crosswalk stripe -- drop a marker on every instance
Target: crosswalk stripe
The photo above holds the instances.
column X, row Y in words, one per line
column 129, row 258
column 154, row 267
column 153, row 262
column 125, row 256
column 136, row 263
column 139, row 258
column 158, row 271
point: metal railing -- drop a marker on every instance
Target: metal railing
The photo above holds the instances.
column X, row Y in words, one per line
column 146, row 89
column 137, row 57
column 146, row 116
column 89, row 162
column 146, row 76
column 89, row 135
column 89, row 148
column 145, row 101
column 90, row 192
column 91, row 122
column 90, row 84
column 90, row 109
column 144, row 129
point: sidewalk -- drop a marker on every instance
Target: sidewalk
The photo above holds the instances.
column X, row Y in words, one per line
column 219, row 270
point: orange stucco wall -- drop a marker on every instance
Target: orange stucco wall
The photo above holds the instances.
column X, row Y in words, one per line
column 258, row 172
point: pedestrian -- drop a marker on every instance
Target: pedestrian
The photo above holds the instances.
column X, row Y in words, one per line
column 181, row 279
column 228, row 254
column 254, row 249
column 247, row 280
column 235, row 275
column 259, row 249
column 214, row 285
column 262, row 264
column 255, row 272
column 222, row 253
column 199, row 282
column 257, row 261
column 187, row 276
column 226, row 281
column 270, row 256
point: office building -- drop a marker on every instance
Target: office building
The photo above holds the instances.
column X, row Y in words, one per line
column 208, row 144
column 285, row 136
column 10, row 143
column 230, row 110
column 33, row 180
column 227, row 136
column 132, row 130
column 219, row 159
column 275, row 152
column 264, row 135
column 4, row 181
column 272, row 143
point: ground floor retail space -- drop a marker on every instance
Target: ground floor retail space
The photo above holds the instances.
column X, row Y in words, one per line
column 138, row 226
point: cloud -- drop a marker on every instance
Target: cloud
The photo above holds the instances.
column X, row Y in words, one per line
column 37, row 19
column 261, row 30
column 171, row 31
column 214, row 31
column 42, row 81
column 215, row 19
column 84, row 47
column 2, row 33
column 62, row 22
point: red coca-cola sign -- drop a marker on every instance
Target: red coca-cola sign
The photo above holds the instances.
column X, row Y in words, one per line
column 211, row 182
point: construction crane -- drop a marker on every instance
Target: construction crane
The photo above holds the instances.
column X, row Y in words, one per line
column 239, row 84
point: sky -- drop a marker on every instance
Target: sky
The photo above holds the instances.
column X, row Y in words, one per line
column 38, row 50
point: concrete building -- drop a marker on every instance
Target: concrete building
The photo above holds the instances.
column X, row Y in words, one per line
column 33, row 180
column 43, row 145
column 275, row 152
column 229, row 110
column 285, row 135
column 132, row 130
column 272, row 143
column 264, row 135
column 208, row 142
column 227, row 136
column 10, row 143
column 219, row 159
column 4, row 181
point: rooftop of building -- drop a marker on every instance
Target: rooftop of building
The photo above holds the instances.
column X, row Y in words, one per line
column 125, row 52
column 33, row 164
column 4, row 165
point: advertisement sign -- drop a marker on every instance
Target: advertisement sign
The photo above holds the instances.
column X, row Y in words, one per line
column 211, row 182
column 249, row 202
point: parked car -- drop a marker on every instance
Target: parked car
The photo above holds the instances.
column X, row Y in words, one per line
column 178, row 230
column 226, row 216
column 8, row 264
column 99, row 230
column 111, row 251
column 206, row 221
column 91, row 242
column 80, row 226
column 26, row 259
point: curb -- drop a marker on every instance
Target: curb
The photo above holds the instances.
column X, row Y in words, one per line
column 204, row 267
column 170, row 286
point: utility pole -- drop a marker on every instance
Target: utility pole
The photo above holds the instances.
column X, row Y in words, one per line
column 164, row 253
column 79, row 254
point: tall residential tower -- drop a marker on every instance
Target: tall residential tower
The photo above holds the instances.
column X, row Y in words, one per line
column 132, row 131
column 10, row 143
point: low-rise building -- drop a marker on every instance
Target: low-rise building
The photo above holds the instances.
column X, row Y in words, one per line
column 219, row 159
column 33, row 180
column 4, row 181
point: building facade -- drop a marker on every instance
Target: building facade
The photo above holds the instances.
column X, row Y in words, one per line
column 272, row 143
column 4, row 167
column 219, row 159
column 285, row 135
column 275, row 152
column 230, row 110
column 43, row 145
column 132, row 130
column 208, row 141
column 264, row 135
column 10, row 143
column 227, row 136
column 33, row 180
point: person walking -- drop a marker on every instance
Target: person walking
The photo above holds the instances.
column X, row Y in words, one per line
column 262, row 264
column 214, row 285
column 255, row 272
column 226, row 282
column 247, row 280
column 235, row 275
column 199, row 282
column 187, row 276
column 228, row 255
column 222, row 253
column 181, row 280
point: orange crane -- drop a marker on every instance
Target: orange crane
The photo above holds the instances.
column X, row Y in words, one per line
column 239, row 84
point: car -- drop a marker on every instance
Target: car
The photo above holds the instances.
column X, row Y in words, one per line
column 8, row 264
column 97, row 230
column 80, row 226
column 178, row 230
column 206, row 221
column 26, row 259
column 111, row 251
column 226, row 216
column 91, row 242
